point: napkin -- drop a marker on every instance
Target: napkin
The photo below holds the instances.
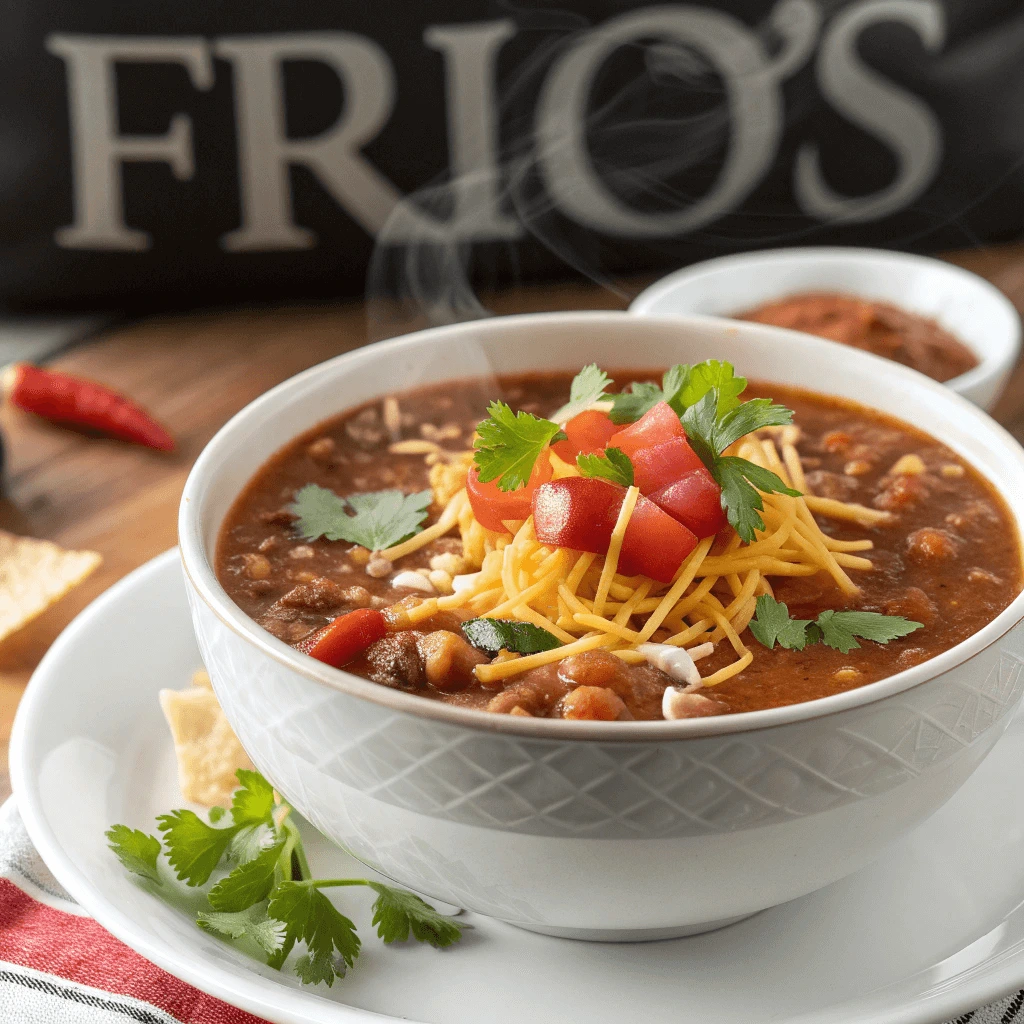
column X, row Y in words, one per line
column 59, row 966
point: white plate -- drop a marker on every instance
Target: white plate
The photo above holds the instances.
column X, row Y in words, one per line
column 934, row 928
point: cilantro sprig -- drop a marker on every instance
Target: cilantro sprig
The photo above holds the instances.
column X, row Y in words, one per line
column 588, row 387
column 614, row 465
column 509, row 443
column 264, row 896
column 375, row 519
column 772, row 624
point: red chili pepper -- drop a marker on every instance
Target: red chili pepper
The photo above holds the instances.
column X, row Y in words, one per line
column 74, row 401
column 340, row 641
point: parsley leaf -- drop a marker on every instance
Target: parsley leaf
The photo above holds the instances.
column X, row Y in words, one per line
column 251, row 923
column 380, row 519
column 136, row 850
column 249, row 883
column 587, row 388
column 311, row 917
column 253, row 802
column 614, row 465
column 493, row 635
column 838, row 629
column 194, row 848
column 509, row 443
column 396, row 912
column 741, row 481
column 704, row 377
column 749, row 416
column 771, row 624
column 629, row 406
column 320, row 967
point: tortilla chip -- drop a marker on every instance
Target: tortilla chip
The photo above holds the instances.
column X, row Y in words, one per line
column 208, row 751
column 35, row 574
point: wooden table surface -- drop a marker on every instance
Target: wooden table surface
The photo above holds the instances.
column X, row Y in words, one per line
column 194, row 372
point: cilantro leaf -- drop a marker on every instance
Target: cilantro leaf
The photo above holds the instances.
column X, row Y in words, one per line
column 493, row 635
column 251, row 923
column 699, row 422
column 380, row 519
column 194, row 848
column 614, row 465
column 136, row 850
column 741, row 481
column 249, row 842
column 253, row 802
column 320, row 967
column 707, row 376
column 629, row 406
column 396, row 912
column 587, row 388
column 310, row 916
column 248, row 884
column 771, row 624
column 749, row 416
column 839, row 629
column 215, row 814
column 509, row 443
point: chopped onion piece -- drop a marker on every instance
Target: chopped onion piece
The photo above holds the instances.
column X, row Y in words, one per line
column 413, row 581
column 465, row 582
column 675, row 662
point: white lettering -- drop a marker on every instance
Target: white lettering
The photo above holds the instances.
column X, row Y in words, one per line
column 899, row 119
column 754, row 108
column 265, row 152
column 97, row 147
column 470, row 54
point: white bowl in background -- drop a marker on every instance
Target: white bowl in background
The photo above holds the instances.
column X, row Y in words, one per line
column 606, row 830
column 967, row 305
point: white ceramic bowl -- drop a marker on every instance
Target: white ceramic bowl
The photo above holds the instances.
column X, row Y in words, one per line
column 601, row 830
column 967, row 305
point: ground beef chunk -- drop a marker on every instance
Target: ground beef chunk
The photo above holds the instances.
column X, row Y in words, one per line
column 396, row 661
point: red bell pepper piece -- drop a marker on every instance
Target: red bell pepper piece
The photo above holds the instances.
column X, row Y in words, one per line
column 656, row 426
column 695, row 500
column 662, row 464
column 491, row 505
column 73, row 401
column 588, row 432
column 347, row 636
column 581, row 512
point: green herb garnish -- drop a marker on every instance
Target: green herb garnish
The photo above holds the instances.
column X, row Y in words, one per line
column 588, row 387
column 375, row 519
column 267, row 897
column 494, row 635
column 614, row 465
column 772, row 624
column 508, row 445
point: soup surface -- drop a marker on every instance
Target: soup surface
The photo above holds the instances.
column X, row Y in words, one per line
column 944, row 552
column 879, row 327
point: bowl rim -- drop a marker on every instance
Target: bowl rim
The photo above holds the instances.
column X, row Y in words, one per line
column 201, row 576
column 1000, row 355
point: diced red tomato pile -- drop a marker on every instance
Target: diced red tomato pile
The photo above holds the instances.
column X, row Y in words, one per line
column 679, row 501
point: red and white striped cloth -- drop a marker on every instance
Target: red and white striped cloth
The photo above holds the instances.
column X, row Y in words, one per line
column 59, row 966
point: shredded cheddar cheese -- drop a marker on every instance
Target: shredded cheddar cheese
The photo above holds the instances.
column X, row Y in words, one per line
column 583, row 599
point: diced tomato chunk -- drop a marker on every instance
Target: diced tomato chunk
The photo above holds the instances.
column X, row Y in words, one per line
column 492, row 505
column 577, row 512
column 662, row 464
column 655, row 544
column 656, row 426
column 581, row 512
column 340, row 641
column 587, row 432
column 695, row 501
